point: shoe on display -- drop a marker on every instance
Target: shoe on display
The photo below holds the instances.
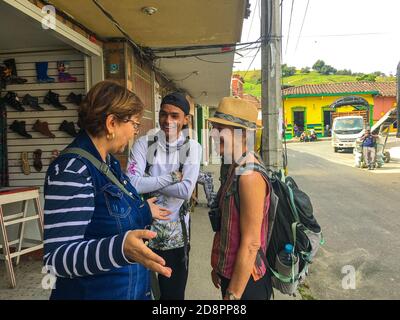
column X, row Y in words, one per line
column 2, row 103
column 37, row 160
column 26, row 169
column 69, row 128
column 3, row 82
column 75, row 98
column 33, row 102
column 43, row 128
column 19, row 127
column 12, row 100
column 63, row 72
column 11, row 72
column 41, row 72
column 54, row 99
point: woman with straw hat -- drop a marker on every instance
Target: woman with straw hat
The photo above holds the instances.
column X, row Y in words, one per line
column 243, row 202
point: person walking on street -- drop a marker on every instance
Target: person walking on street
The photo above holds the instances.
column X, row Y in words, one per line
column 166, row 166
column 369, row 145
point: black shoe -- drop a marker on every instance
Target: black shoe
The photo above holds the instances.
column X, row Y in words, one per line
column 75, row 98
column 33, row 102
column 2, row 103
column 12, row 77
column 19, row 127
column 69, row 128
column 12, row 100
column 54, row 99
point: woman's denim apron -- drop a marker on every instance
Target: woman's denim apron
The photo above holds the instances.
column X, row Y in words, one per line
column 115, row 213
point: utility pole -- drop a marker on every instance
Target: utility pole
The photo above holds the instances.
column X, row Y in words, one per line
column 271, row 101
column 398, row 100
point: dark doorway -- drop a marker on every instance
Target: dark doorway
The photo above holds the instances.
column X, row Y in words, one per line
column 298, row 117
column 327, row 122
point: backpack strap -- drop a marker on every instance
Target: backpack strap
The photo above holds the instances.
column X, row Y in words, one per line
column 150, row 142
column 183, row 154
column 99, row 165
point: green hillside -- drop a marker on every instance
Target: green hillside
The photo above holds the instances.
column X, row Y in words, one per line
column 252, row 79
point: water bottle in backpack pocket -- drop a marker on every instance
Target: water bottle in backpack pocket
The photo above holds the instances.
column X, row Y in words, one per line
column 287, row 266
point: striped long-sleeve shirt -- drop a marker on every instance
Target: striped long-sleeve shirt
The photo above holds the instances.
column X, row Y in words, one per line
column 68, row 209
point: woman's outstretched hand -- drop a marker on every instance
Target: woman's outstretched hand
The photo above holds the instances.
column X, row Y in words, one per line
column 156, row 211
column 136, row 250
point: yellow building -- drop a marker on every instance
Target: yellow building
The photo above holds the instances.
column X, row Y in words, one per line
column 307, row 106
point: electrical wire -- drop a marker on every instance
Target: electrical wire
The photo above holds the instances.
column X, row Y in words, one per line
column 251, row 63
column 252, row 19
column 175, row 56
column 290, row 23
column 209, row 60
column 302, row 24
column 212, row 46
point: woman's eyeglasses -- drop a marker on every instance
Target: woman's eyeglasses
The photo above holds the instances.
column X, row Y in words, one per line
column 135, row 125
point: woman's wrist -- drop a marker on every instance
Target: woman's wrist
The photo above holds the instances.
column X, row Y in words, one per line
column 229, row 295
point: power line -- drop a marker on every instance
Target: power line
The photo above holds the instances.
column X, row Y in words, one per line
column 251, row 63
column 252, row 19
column 302, row 24
column 290, row 23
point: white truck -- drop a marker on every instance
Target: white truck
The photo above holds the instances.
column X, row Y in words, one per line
column 345, row 131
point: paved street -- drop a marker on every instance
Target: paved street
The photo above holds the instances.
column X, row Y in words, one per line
column 359, row 213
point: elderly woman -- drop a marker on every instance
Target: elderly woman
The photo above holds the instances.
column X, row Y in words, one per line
column 243, row 201
column 94, row 226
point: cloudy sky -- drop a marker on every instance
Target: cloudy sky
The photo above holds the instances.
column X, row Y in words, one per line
column 361, row 35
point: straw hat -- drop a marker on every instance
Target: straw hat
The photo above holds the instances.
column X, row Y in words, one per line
column 236, row 112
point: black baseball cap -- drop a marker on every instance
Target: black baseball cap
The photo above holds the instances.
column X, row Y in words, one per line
column 177, row 99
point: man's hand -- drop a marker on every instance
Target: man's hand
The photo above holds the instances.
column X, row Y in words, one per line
column 177, row 175
column 158, row 212
column 136, row 250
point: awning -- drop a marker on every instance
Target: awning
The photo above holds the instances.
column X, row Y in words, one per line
column 176, row 23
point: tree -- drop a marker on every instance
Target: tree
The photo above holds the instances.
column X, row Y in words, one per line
column 318, row 65
column 327, row 69
column 288, row 71
column 305, row 70
column 344, row 72
column 367, row 77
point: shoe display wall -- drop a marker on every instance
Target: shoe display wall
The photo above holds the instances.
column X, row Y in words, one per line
column 42, row 111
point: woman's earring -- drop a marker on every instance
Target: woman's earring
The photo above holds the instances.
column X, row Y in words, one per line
column 110, row 136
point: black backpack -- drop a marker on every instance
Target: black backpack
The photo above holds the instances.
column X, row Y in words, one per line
column 290, row 221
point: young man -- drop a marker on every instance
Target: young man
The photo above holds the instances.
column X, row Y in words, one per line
column 369, row 143
column 166, row 166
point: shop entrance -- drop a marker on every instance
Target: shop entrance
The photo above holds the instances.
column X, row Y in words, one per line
column 327, row 122
column 299, row 121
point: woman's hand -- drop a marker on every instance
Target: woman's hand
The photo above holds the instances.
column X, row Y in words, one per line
column 136, row 250
column 156, row 211
column 215, row 279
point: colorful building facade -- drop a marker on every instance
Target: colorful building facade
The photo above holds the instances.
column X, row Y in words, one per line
column 308, row 106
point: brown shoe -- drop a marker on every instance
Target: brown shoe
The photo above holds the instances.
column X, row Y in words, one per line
column 37, row 160
column 26, row 169
column 43, row 128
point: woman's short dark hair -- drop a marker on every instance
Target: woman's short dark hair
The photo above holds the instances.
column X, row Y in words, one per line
column 103, row 99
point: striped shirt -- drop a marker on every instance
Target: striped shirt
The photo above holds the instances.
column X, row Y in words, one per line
column 68, row 209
